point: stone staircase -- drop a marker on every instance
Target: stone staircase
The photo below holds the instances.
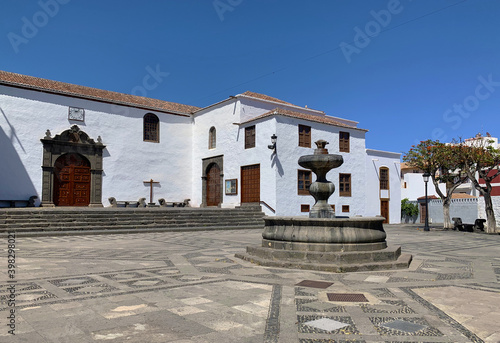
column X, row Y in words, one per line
column 65, row 221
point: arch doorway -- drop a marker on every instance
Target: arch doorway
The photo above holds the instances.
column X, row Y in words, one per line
column 213, row 185
column 72, row 180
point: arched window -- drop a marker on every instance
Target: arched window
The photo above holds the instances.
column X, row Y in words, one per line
column 212, row 138
column 384, row 177
column 151, row 128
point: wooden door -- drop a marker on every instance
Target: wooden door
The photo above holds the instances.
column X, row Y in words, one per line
column 422, row 213
column 384, row 210
column 250, row 183
column 213, row 185
column 72, row 181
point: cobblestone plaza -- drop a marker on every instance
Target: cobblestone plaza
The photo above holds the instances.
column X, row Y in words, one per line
column 188, row 287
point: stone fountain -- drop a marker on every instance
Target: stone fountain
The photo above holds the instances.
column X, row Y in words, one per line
column 323, row 241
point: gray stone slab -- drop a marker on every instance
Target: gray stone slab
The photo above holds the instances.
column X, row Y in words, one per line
column 405, row 326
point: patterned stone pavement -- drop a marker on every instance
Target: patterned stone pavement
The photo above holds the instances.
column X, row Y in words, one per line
column 189, row 287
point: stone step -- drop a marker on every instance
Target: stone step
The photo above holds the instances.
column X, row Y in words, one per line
column 186, row 222
column 87, row 219
column 402, row 262
column 129, row 217
column 87, row 210
column 97, row 230
column 113, row 218
column 136, row 224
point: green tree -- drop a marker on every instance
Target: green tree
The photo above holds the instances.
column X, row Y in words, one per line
column 441, row 162
column 480, row 160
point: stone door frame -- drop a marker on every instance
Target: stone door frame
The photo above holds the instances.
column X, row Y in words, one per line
column 74, row 141
column 206, row 163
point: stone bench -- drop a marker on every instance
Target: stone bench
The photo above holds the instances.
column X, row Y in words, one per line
column 24, row 203
column 164, row 203
column 477, row 226
column 122, row 203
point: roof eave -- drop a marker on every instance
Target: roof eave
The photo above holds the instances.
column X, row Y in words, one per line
column 88, row 97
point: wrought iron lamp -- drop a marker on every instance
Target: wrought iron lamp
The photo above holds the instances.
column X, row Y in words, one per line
column 273, row 141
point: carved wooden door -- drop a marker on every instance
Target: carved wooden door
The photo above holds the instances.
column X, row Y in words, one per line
column 384, row 210
column 250, row 183
column 72, row 181
column 213, row 185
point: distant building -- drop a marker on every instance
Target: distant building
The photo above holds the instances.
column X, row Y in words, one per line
column 77, row 146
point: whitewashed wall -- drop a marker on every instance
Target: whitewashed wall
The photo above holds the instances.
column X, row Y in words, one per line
column 415, row 187
column 231, row 144
column 481, row 209
column 127, row 160
column 289, row 153
column 374, row 161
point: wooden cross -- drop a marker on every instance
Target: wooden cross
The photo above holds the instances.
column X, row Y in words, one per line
column 151, row 189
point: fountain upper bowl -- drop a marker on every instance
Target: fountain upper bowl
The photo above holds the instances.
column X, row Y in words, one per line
column 313, row 162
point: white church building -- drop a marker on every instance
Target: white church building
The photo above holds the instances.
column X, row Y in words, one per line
column 72, row 145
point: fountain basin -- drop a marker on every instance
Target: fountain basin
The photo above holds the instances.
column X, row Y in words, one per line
column 325, row 230
column 327, row 244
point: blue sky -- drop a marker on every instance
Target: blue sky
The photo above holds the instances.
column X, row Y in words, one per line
column 405, row 70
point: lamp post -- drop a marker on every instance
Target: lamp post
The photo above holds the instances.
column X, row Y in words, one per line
column 426, row 179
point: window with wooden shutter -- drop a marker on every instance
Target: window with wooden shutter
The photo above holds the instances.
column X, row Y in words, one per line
column 304, row 136
column 303, row 182
column 151, row 129
column 212, row 138
column 384, row 178
column 250, row 137
column 344, row 142
column 345, row 185
column 345, row 208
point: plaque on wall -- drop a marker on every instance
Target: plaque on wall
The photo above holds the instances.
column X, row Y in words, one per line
column 76, row 113
column 232, row 187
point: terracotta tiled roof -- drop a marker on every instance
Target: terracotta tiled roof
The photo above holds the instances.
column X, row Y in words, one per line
column 324, row 119
column 265, row 97
column 44, row 85
column 462, row 196
column 430, row 197
column 405, row 165
column 453, row 196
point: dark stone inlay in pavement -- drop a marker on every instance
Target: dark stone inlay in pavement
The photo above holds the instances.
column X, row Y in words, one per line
column 404, row 327
column 302, row 292
column 124, row 276
column 27, row 297
column 73, row 281
column 315, row 340
column 118, row 292
column 272, row 330
column 151, row 282
column 347, row 330
column 383, row 293
column 347, row 297
column 316, row 306
column 443, row 316
column 90, row 289
column 314, row 284
column 20, row 287
column 398, row 306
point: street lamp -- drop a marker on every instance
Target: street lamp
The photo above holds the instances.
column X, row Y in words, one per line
column 274, row 138
column 426, row 179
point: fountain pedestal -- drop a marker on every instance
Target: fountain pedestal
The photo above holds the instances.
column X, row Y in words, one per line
column 322, row 241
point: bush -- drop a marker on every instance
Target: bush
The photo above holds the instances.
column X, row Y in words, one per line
column 408, row 210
